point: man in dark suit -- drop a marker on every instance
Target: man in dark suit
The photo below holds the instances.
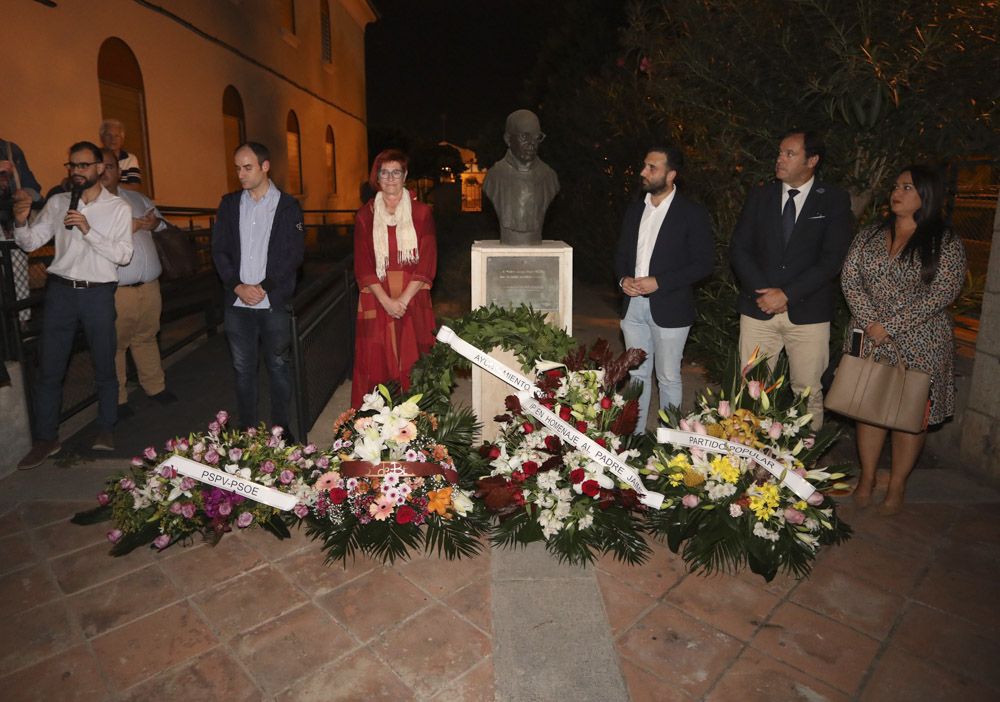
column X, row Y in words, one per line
column 665, row 247
column 787, row 250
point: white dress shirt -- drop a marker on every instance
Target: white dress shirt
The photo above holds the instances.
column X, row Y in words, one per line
column 256, row 218
column 649, row 230
column 145, row 266
column 94, row 257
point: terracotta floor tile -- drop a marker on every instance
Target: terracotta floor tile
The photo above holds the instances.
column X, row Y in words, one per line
column 307, row 571
column 122, row 600
column 272, row 548
column 247, row 601
column 211, row 677
column 474, row 602
column 979, row 523
column 821, row 647
column 11, row 521
column 867, row 608
column 360, row 676
column 678, row 649
column 432, row 649
column 16, row 551
column 92, row 566
column 646, row 687
column 661, row 572
column 725, row 602
column 441, row 577
column 29, row 636
column 622, row 603
column 477, row 685
column 26, row 588
column 311, row 633
column 978, row 558
column 200, row 567
column 64, row 537
column 72, row 676
column 780, row 586
column 374, row 602
column 755, row 677
column 46, row 511
column 900, row 675
column 962, row 594
column 916, row 530
column 873, row 561
column 138, row 650
column 950, row 641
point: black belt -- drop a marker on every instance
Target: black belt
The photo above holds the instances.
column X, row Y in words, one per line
column 76, row 283
column 132, row 285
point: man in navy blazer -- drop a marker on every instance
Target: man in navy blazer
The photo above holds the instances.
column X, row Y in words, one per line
column 787, row 251
column 665, row 248
column 257, row 246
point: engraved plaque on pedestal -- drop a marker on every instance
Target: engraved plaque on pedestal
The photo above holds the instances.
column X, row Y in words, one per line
column 523, row 280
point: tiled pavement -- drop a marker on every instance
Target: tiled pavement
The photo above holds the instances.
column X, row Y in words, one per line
column 906, row 610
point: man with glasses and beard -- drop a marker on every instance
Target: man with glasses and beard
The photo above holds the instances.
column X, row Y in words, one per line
column 665, row 248
column 93, row 236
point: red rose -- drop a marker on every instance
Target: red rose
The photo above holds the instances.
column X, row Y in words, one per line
column 601, row 442
column 405, row 515
column 553, row 444
column 576, row 475
column 527, row 427
column 517, row 476
column 565, row 413
column 547, row 403
column 554, row 373
column 529, row 468
column 581, row 427
column 518, row 498
column 590, row 488
column 513, row 404
column 606, row 403
column 338, row 495
column 494, row 452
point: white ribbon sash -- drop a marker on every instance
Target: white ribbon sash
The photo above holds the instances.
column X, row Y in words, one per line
column 793, row 481
column 220, row 479
column 609, row 459
column 446, row 335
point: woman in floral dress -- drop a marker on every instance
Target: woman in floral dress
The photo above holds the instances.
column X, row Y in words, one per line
column 899, row 278
column 395, row 258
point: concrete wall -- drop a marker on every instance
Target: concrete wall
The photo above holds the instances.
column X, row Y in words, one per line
column 188, row 54
column 980, row 442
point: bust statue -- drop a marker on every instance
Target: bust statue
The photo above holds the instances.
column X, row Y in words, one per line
column 520, row 185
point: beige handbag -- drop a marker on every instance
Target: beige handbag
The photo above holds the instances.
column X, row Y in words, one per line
column 894, row 397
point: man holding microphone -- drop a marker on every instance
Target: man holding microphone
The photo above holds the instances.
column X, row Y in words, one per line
column 93, row 236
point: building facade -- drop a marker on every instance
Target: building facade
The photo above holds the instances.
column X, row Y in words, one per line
column 190, row 79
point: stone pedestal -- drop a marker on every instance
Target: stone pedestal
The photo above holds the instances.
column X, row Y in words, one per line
column 540, row 275
column 15, row 429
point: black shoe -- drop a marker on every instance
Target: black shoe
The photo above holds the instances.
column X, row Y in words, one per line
column 164, row 397
column 125, row 411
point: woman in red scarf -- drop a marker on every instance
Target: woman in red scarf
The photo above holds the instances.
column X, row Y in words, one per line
column 395, row 258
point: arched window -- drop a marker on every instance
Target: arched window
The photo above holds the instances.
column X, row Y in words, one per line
column 286, row 8
column 330, row 155
column 234, row 131
column 293, row 141
column 122, row 98
column 324, row 31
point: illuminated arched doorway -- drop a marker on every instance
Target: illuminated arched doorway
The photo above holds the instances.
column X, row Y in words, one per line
column 234, row 131
column 123, row 98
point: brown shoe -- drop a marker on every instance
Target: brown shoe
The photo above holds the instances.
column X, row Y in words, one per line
column 105, row 441
column 40, row 450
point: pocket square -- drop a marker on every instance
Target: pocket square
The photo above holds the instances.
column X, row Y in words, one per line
column 819, row 216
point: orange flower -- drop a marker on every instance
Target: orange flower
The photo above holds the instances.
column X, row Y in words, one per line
column 361, row 488
column 440, row 452
column 439, row 501
column 343, row 418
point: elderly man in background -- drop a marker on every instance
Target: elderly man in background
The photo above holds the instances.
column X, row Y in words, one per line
column 112, row 134
column 137, row 299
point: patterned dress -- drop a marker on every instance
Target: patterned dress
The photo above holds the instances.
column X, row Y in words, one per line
column 889, row 291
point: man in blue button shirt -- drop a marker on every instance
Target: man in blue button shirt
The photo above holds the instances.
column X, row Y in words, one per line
column 257, row 246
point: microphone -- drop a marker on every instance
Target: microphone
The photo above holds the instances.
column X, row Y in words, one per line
column 74, row 200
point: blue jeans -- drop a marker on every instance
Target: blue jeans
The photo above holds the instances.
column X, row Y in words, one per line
column 65, row 308
column 246, row 330
column 664, row 347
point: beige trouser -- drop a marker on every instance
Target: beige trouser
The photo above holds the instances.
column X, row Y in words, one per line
column 807, row 347
column 138, row 322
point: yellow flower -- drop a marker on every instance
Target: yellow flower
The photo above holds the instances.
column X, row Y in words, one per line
column 764, row 500
column 676, row 479
column 724, row 468
column 801, row 505
column 680, row 460
column 715, row 430
column 439, row 501
column 693, row 478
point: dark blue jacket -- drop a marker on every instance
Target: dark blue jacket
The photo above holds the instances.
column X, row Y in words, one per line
column 683, row 255
column 284, row 249
column 807, row 268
